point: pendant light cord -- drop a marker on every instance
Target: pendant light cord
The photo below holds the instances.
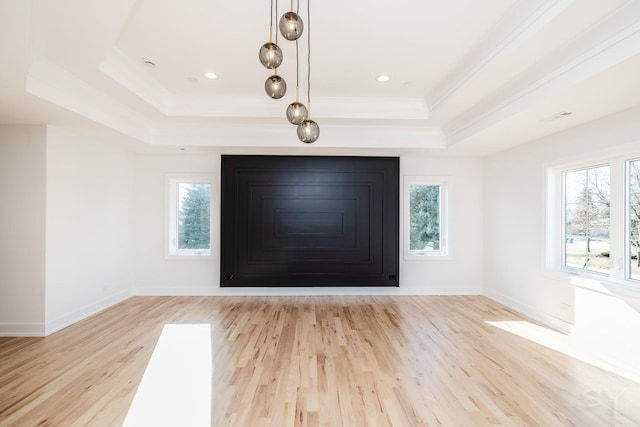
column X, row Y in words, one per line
column 297, row 74
column 308, row 59
column 276, row 17
column 271, row 24
column 297, row 61
column 275, row 71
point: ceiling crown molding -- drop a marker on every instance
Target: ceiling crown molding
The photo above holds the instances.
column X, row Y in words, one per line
column 520, row 23
column 506, row 65
column 323, row 107
column 129, row 75
column 280, row 135
column 381, row 119
column 610, row 41
column 54, row 84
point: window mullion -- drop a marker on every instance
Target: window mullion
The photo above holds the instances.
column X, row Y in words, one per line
column 617, row 221
column 630, row 213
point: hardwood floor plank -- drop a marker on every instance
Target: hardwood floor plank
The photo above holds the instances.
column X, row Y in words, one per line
column 317, row 362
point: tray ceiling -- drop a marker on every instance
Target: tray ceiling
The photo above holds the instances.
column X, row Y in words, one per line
column 466, row 77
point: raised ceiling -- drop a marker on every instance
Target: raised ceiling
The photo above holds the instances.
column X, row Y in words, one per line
column 466, row 76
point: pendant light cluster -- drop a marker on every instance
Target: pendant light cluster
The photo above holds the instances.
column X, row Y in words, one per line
column 291, row 27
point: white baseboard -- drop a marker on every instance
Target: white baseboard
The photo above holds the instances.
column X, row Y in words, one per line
column 168, row 291
column 77, row 315
column 22, row 329
column 42, row 329
column 304, row 291
column 528, row 311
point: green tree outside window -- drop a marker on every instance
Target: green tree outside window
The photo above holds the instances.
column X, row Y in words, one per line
column 424, row 217
column 194, row 216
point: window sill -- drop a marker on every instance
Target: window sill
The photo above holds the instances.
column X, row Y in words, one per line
column 190, row 257
column 597, row 283
column 427, row 257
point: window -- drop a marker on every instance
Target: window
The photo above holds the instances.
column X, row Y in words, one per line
column 586, row 219
column 425, row 217
column 593, row 220
column 633, row 219
column 190, row 216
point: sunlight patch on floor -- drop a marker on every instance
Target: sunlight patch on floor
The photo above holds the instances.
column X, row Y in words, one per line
column 615, row 400
column 538, row 334
column 176, row 387
column 570, row 345
column 607, row 328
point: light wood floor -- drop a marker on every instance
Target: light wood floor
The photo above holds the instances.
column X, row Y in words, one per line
column 316, row 361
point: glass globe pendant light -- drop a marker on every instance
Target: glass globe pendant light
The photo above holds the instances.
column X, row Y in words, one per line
column 270, row 54
column 296, row 111
column 271, row 57
column 308, row 130
column 291, row 25
column 275, row 86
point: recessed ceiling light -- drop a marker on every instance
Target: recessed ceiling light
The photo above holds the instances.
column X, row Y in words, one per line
column 211, row 75
column 383, row 78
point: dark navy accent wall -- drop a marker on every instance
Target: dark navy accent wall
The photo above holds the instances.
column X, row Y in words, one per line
column 309, row 221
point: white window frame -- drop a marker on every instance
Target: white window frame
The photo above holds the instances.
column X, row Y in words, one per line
column 563, row 254
column 619, row 276
column 171, row 235
column 627, row 223
column 445, row 251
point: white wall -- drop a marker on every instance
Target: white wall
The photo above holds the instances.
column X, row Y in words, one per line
column 155, row 275
column 514, row 231
column 90, row 228
column 22, row 229
column 89, row 232
column 462, row 274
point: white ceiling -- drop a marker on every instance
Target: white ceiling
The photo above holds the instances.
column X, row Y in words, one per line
column 467, row 76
